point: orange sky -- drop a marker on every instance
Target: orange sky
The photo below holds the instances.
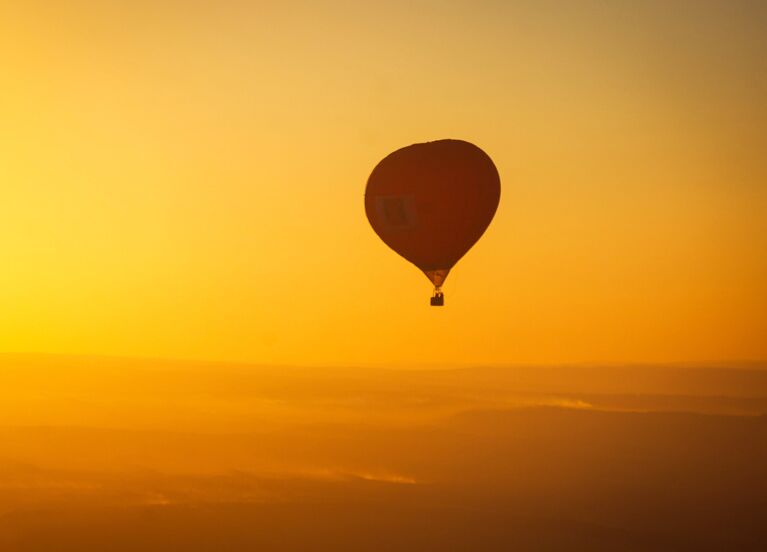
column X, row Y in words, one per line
column 185, row 179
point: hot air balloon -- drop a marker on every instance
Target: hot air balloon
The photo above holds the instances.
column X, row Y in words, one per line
column 431, row 202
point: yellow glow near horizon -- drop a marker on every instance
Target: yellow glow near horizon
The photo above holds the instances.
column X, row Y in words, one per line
column 186, row 180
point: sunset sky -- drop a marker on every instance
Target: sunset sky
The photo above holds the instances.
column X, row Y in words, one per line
column 204, row 346
column 186, row 179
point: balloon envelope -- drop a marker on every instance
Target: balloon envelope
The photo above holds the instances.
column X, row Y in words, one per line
column 431, row 202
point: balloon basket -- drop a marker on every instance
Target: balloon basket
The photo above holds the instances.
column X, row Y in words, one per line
column 438, row 299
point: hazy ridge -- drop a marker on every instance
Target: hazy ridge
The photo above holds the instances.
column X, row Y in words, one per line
column 127, row 454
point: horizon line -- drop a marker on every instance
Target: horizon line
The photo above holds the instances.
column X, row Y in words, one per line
column 740, row 364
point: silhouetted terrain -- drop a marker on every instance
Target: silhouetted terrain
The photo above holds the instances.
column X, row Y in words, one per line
column 112, row 454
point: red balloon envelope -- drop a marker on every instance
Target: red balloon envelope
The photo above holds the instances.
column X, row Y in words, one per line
column 431, row 202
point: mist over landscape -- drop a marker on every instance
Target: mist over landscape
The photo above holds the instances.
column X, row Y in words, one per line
column 120, row 454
